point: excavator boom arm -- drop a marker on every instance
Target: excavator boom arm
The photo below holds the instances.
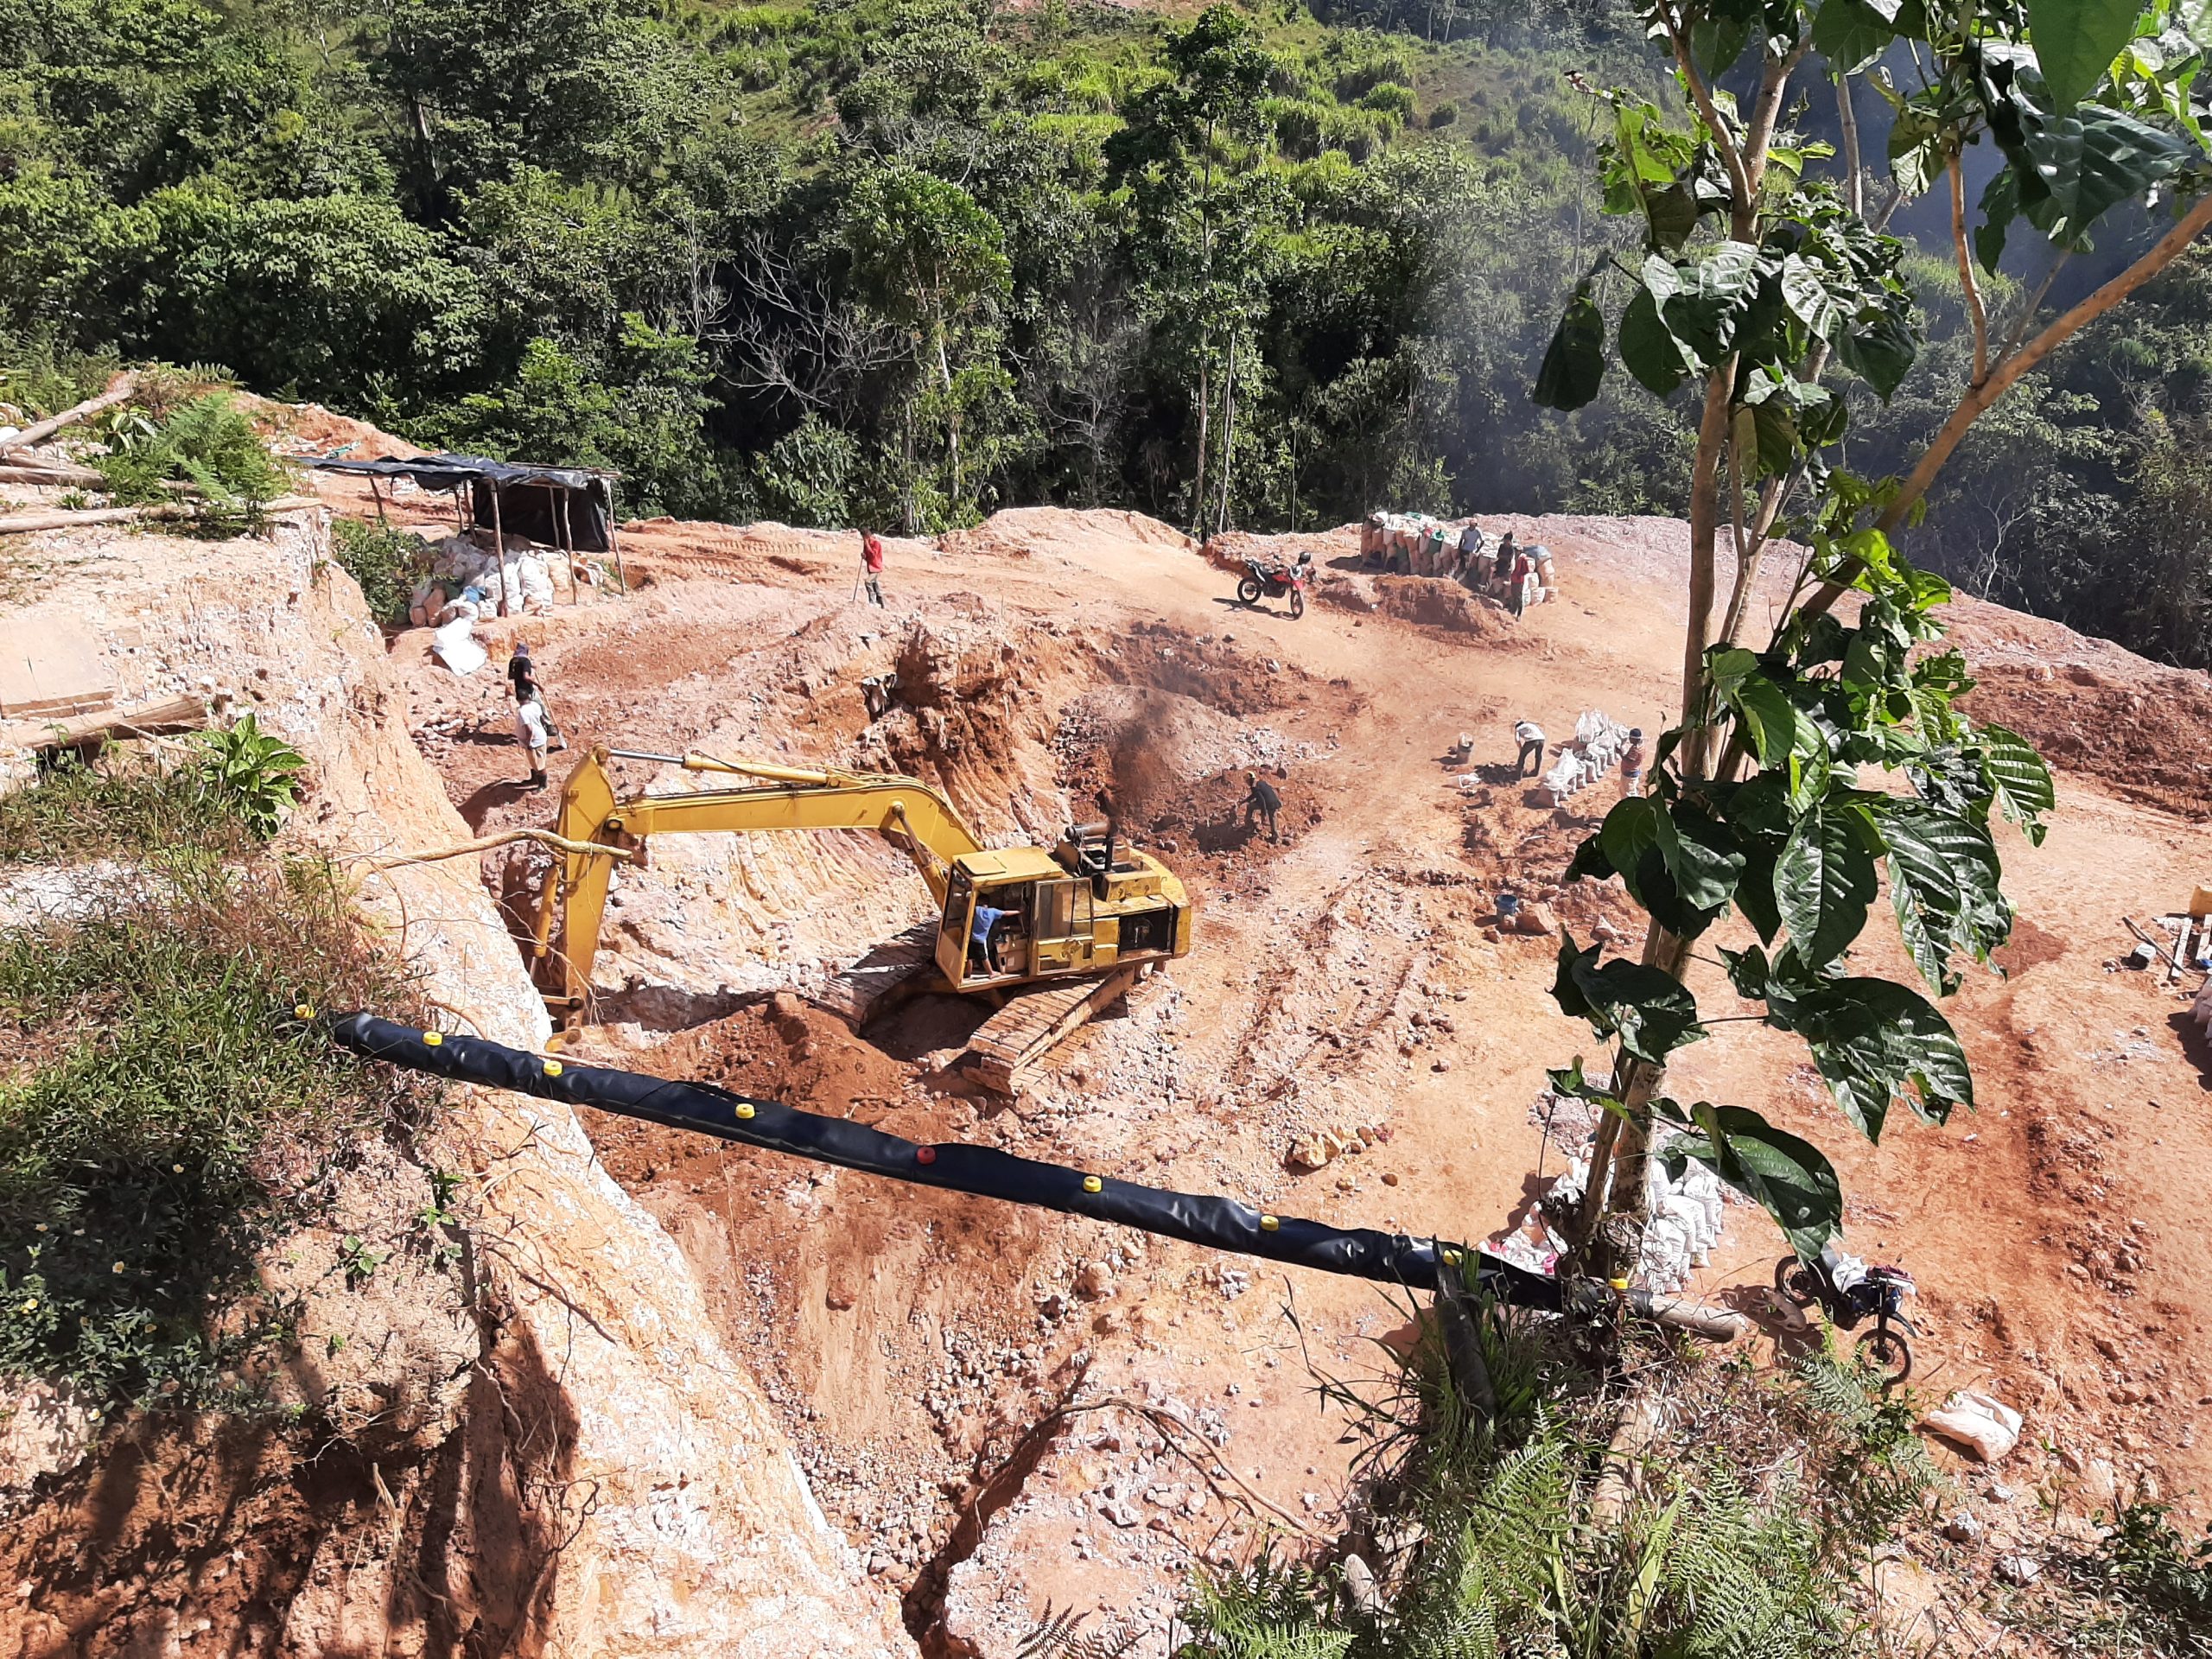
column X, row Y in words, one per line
column 909, row 814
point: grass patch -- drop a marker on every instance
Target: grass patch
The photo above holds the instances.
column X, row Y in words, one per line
column 162, row 1115
column 80, row 812
column 230, row 791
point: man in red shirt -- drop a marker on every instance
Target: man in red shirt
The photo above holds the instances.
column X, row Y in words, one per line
column 872, row 565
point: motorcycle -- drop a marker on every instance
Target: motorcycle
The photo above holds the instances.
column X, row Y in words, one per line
column 1273, row 582
column 1849, row 1292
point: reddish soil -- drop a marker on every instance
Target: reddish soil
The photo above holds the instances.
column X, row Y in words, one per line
column 2148, row 738
column 1043, row 659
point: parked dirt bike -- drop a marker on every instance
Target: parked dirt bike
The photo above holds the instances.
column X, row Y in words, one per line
column 1877, row 1294
column 1273, row 582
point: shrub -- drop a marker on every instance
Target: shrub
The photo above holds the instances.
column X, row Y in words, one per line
column 2157, row 1586
column 1753, row 1516
column 251, row 774
column 209, row 444
column 1443, row 115
column 233, row 793
column 385, row 563
column 159, row 1125
column 1389, row 99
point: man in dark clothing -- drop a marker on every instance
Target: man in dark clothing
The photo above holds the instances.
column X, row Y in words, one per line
column 1262, row 801
column 521, row 675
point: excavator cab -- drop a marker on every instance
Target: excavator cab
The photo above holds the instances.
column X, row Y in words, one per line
column 1012, row 915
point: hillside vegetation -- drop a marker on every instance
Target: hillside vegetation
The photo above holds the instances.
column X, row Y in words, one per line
column 902, row 261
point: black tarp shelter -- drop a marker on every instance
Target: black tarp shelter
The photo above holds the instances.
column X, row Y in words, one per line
column 560, row 506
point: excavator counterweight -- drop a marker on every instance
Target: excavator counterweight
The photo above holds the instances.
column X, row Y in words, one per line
column 1072, row 926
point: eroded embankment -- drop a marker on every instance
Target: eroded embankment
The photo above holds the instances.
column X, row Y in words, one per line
column 581, row 1466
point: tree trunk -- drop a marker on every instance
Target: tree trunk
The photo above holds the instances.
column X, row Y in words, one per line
column 1228, row 435
column 951, row 414
column 1205, row 406
column 1704, row 529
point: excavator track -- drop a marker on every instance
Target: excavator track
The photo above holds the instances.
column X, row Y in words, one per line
column 880, row 977
column 1006, row 1047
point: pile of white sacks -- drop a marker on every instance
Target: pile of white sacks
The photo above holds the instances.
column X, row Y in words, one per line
column 1686, row 1217
column 1599, row 740
column 466, row 582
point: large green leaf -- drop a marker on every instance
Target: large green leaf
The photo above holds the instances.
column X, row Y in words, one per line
column 2000, row 205
column 2090, row 161
column 2075, row 42
column 2018, row 777
column 1824, row 881
column 1574, row 363
column 1629, row 829
column 1879, row 348
column 1943, row 886
column 1647, row 349
column 1850, row 34
column 1875, row 1043
column 1700, row 854
column 1703, row 304
column 1786, row 1176
column 1651, row 1013
column 1806, row 293
column 1768, row 716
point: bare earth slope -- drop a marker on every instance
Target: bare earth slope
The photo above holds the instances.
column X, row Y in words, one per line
column 591, row 1469
column 1343, row 982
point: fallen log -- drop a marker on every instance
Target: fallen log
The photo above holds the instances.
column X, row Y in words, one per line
column 19, row 522
column 41, row 469
column 86, row 731
column 119, row 391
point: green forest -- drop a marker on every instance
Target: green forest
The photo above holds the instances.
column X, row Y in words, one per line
column 903, row 262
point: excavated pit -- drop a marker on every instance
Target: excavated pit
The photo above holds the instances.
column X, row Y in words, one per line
column 1352, row 1040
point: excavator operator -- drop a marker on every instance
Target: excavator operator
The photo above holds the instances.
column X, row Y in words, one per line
column 988, row 939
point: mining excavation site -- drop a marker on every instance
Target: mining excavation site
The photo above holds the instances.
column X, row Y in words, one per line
column 1352, row 1038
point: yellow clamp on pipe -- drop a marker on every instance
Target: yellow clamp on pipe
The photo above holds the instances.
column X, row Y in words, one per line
column 552, row 1068
column 1269, row 1223
column 744, row 1108
column 432, row 1039
column 1092, row 1184
column 1453, row 1256
column 1617, row 1284
column 303, row 1011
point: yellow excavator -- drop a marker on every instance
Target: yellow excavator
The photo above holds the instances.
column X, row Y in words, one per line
column 1050, row 934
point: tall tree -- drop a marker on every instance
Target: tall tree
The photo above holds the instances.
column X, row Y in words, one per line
column 1754, row 276
column 1185, row 157
column 933, row 263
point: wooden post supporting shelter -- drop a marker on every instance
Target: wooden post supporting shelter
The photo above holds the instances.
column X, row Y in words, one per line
column 377, row 496
column 499, row 546
column 568, row 538
column 613, row 546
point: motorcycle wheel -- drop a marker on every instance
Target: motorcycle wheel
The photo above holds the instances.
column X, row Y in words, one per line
column 1298, row 601
column 1248, row 591
column 1888, row 1353
column 1792, row 1283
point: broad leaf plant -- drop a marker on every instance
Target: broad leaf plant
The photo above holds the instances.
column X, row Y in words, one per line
column 1814, row 770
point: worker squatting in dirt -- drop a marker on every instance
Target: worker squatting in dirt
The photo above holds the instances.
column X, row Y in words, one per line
column 1260, row 800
